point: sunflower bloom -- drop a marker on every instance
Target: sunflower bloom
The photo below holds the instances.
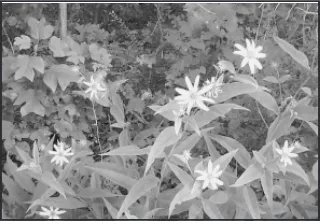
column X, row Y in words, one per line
column 94, row 87
column 210, row 176
column 251, row 54
column 60, row 154
column 286, row 153
column 52, row 213
column 193, row 97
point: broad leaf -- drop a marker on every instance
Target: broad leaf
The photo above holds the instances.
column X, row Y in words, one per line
column 166, row 138
column 38, row 29
column 7, row 68
column 25, row 66
column 58, row 47
column 296, row 169
column 16, row 194
column 61, row 74
column 297, row 55
column 125, row 151
column 140, row 188
column 251, row 202
column 7, row 128
column 23, row 42
column 242, row 156
column 31, row 98
column 246, row 79
column 307, row 113
column 219, row 197
column 271, row 79
column 253, row 172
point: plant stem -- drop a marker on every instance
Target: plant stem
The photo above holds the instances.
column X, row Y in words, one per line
column 97, row 131
column 260, row 113
column 279, row 84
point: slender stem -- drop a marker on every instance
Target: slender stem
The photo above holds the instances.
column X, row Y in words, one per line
column 206, row 9
column 279, row 84
column 5, row 32
column 259, row 24
column 260, row 113
column 97, row 131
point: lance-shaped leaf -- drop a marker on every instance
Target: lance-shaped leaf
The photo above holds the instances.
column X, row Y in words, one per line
column 63, row 203
column 307, row 113
column 296, row 169
column 30, row 163
column 224, row 160
column 314, row 127
column 219, row 197
column 211, row 209
column 266, row 100
column 49, row 179
column 251, row 202
column 140, row 188
column 242, row 156
column 166, row 138
column 267, row 184
column 279, row 127
column 114, row 175
column 126, row 151
column 253, row 172
column 112, row 211
column 297, row 55
column 184, row 178
column 246, row 79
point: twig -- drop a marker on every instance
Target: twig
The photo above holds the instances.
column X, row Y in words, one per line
column 97, row 131
column 307, row 12
column 206, row 9
column 289, row 12
column 279, row 84
column 5, row 32
column 260, row 21
column 260, row 113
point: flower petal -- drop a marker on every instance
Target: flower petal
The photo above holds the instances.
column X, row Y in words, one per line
column 188, row 82
column 240, row 47
column 244, row 62
column 201, row 105
column 182, row 91
column 257, row 63
column 196, row 84
column 251, row 66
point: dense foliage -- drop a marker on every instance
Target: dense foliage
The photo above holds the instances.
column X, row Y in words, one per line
column 144, row 111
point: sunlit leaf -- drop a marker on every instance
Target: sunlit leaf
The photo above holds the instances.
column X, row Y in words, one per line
column 7, row 68
column 219, row 197
column 307, row 113
column 38, row 29
column 184, row 178
column 296, row 169
column 49, row 179
column 211, row 209
column 271, row 79
column 267, row 184
column 63, row 203
column 139, row 189
column 125, row 151
column 279, row 127
column 25, row 66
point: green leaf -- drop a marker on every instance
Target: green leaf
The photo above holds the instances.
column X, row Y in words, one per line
column 114, row 175
column 49, row 179
column 38, row 29
column 251, row 202
column 211, row 148
column 230, row 90
column 16, row 194
column 253, row 172
column 100, row 55
column 242, row 156
column 25, row 66
column 112, row 211
column 296, row 169
column 7, row 128
column 58, row 47
column 192, row 124
column 32, row 103
column 307, row 90
column 271, row 79
column 315, row 170
column 279, row 127
column 128, row 150
column 117, row 109
column 219, row 197
column 95, row 193
column 23, row 42
column 166, row 138
column 7, row 67
column 246, row 79
column 62, row 74
column 267, row 184
column 224, row 160
column 284, row 78
column 184, row 178
column 266, row 100
column 63, row 203
column 211, row 209
column 297, row 55
column 140, row 188
column 307, row 113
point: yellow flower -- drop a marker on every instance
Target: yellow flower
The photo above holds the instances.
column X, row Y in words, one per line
column 60, row 154
column 94, row 87
column 193, row 97
column 286, row 153
column 210, row 176
column 251, row 54
column 52, row 213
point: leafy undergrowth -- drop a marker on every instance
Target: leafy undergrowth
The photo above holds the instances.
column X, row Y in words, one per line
column 160, row 111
